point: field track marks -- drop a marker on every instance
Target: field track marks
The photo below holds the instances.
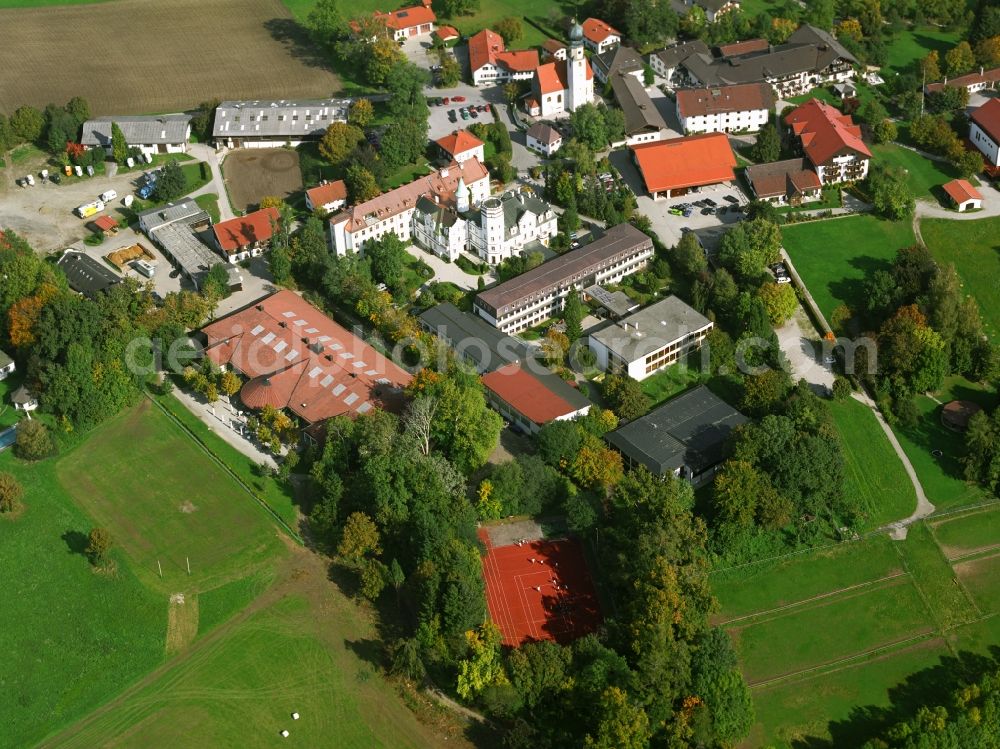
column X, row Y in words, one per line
column 182, row 622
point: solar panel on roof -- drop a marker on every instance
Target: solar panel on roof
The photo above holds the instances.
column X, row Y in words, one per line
column 339, row 389
column 326, row 381
column 293, row 354
column 351, row 398
column 257, row 330
column 280, row 346
column 314, row 372
column 268, row 338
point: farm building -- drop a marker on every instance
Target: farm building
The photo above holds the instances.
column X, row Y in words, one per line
column 530, row 398
column 166, row 133
column 598, row 36
column 670, row 168
column 964, row 195
column 329, row 196
column 984, row 134
column 246, row 236
column 174, row 228
column 651, row 339
column 490, row 62
column 86, row 275
column 643, row 121
column 830, row 141
column 272, row 124
column 725, row 109
column 296, row 357
column 789, row 182
column 972, row 82
column 415, row 20
column 460, row 146
column 543, row 139
column 684, row 437
column 7, row 365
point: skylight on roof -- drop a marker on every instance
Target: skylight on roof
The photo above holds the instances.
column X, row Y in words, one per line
column 359, row 364
column 257, row 330
column 268, row 338
column 288, row 314
column 312, row 330
column 326, row 381
column 280, row 346
column 339, row 389
column 351, row 398
column 314, row 372
column 293, row 354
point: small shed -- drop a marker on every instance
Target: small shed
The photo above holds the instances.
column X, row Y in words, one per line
column 956, row 415
column 24, row 400
column 106, row 225
column 845, row 90
column 964, row 195
column 445, row 33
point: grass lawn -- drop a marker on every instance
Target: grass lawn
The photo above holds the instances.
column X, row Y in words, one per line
column 192, row 510
column 8, row 415
column 981, row 579
column 239, row 689
column 922, row 174
column 941, row 476
column 275, row 495
column 835, row 256
column 408, row 173
column 822, row 710
column 935, row 578
column 487, row 15
column 668, row 383
column 873, row 473
column 196, row 175
column 71, row 637
column 209, row 202
column 769, row 585
column 959, row 535
column 909, row 46
column 830, row 199
column 974, row 248
column 864, row 621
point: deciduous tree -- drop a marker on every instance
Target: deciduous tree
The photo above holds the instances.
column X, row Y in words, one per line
column 11, row 494
column 339, row 140
column 99, row 543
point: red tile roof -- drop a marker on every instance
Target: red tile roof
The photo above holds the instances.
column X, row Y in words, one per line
column 961, row 190
column 825, row 132
column 330, row 192
column 970, row 79
column 597, row 31
column 458, row 142
column 105, row 223
column 446, row 33
column 526, row 394
column 988, row 118
column 298, row 358
column 483, row 48
column 518, row 61
column 685, row 162
column 236, row 233
column 743, row 48
column 552, row 76
column 406, row 18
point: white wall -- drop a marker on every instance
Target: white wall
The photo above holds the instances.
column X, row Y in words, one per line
column 728, row 122
column 982, row 141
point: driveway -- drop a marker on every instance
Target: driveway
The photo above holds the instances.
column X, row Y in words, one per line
column 804, row 352
column 217, row 185
column 448, row 271
column 991, row 206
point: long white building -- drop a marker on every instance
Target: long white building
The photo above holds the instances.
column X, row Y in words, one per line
column 725, row 109
column 393, row 211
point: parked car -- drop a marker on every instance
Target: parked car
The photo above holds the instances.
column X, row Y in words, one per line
column 465, row 113
column 707, row 211
column 474, row 113
column 710, row 203
column 732, row 199
column 446, row 101
column 688, row 211
column 451, row 115
column 459, row 99
column 484, row 107
column 675, row 212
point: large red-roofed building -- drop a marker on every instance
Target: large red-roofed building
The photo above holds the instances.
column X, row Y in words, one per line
column 491, row 62
column 246, row 236
column 831, row 141
column 461, row 145
column 298, row 358
column 670, row 168
column 531, row 400
column 984, row 134
column 599, row 36
column 405, row 22
column 329, row 196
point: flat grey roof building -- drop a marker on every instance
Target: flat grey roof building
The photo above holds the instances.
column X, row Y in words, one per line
column 618, row 303
column 183, row 210
column 148, row 130
column 651, row 328
column 278, row 119
column 473, row 338
column 574, row 266
column 179, row 241
column 86, row 275
column 686, row 435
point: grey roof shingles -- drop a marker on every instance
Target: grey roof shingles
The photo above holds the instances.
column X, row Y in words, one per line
column 641, row 114
column 486, row 346
column 689, row 430
column 146, row 130
column 283, row 119
column 651, row 328
column 623, row 59
column 86, row 275
column 5, row 360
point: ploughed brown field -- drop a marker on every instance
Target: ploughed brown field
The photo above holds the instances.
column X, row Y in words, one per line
column 153, row 56
column 256, row 173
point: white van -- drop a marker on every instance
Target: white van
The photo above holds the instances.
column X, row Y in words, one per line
column 108, row 196
column 145, row 268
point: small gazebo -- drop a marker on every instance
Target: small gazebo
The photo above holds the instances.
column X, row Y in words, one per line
column 956, row 415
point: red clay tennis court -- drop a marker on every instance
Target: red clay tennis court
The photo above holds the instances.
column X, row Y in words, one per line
column 539, row 590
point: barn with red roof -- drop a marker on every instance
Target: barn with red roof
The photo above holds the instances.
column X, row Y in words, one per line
column 246, row 236
column 670, row 168
column 984, row 134
column 531, row 399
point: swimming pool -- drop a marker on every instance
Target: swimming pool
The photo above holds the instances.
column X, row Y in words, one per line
column 7, row 438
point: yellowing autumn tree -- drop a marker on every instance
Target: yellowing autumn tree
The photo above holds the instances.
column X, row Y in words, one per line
column 482, row 667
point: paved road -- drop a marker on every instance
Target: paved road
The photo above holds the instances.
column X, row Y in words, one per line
column 220, row 418
column 217, row 185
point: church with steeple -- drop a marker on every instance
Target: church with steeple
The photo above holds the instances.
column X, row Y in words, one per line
column 562, row 85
